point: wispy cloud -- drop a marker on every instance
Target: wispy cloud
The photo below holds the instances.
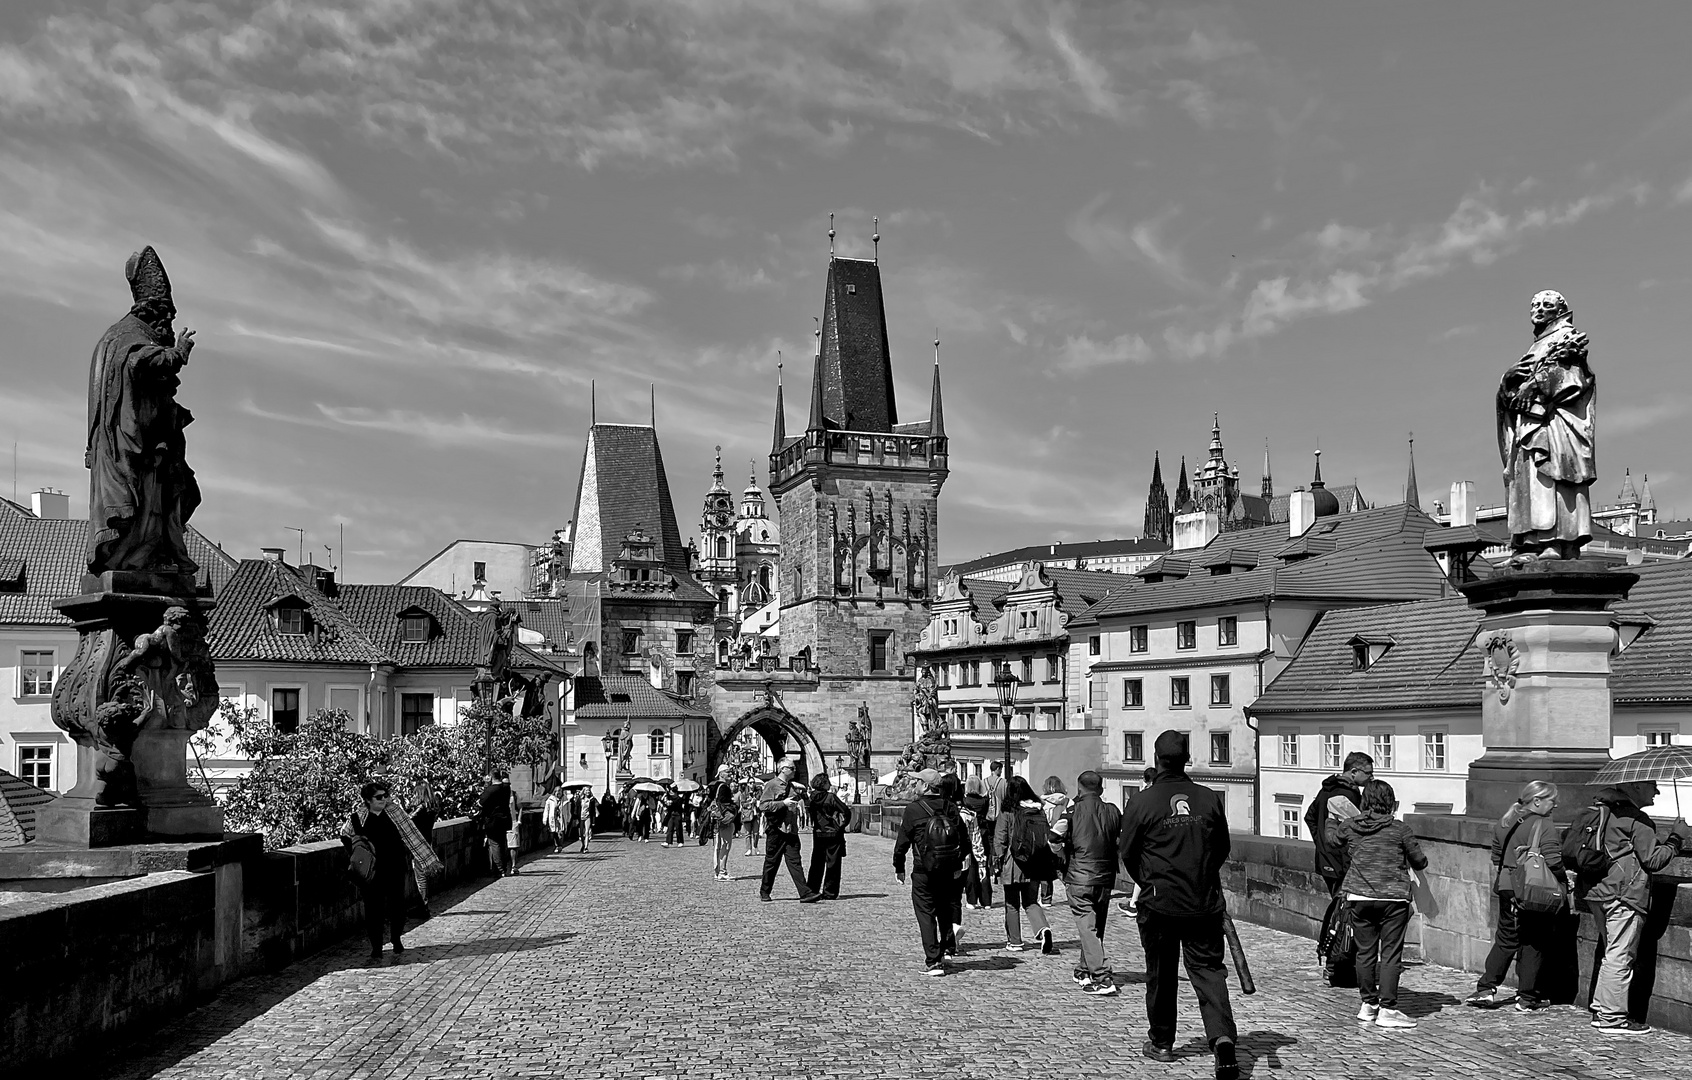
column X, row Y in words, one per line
column 1632, row 419
column 1080, row 353
column 1111, row 239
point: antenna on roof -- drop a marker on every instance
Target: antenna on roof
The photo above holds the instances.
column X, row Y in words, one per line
column 593, row 402
column 652, row 388
column 831, row 236
column 875, row 238
column 290, row 528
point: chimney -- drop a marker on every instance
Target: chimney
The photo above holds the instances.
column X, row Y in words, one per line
column 273, row 555
column 1301, row 512
column 1462, row 503
column 1195, row 530
column 48, row 503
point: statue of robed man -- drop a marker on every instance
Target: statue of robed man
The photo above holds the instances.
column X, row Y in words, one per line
column 141, row 490
column 1546, row 411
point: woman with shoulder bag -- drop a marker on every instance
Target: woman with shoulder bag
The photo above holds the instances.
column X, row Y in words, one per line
column 828, row 837
column 1023, row 863
column 1527, row 861
column 380, row 827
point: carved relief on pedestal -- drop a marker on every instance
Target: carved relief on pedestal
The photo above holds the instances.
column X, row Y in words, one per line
column 1501, row 662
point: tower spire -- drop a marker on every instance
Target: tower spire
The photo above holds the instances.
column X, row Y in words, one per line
column 593, row 402
column 1159, row 524
column 781, row 413
column 936, row 424
column 816, row 422
column 831, row 236
column 1316, row 481
column 717, row 472
column 875, row 239
column 1412, row 496
column 1183, row 493
column 652, row 391
column 1268, row 490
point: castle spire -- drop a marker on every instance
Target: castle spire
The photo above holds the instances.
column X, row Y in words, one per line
column 781, row 413
column 817, row 423
column 1647, row 501
column 1159, row 524
column 936, row 425
column 1268, row 488
column 1412, row 496
column 717, row 473
column 1183, row 493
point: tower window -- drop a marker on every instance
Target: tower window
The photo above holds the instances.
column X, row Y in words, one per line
column 879, row 642
column 722, row 547
column 481, row 571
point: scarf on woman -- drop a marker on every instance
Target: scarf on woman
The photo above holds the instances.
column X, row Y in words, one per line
column 422, row 852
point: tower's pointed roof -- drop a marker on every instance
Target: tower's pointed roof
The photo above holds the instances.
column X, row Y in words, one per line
column 780, row 418
column 717, row 475
column 623, row 485
column 1647, row 501
column 857, row 384
column 1268, row 487
column 936, row 425
column 1628, row 493
column 1412, row 495
column 1183, row 492
column 819, row 417
column 1157, row 470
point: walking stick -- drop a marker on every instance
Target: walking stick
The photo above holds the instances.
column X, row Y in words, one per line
column 1242, row 967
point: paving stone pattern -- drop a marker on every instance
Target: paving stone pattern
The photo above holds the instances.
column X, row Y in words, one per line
column 630, row 962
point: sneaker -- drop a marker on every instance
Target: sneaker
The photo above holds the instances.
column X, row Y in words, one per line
column 810, row 898
column 1227, row 1064
column 1158, row 1053
column 1525, row 1004
column 1081, row 978
column 1623, row 1026
column 1491, row 999
column 1013, row 946
column 1367, row 1013
column 1105, row 987
column 937, row 971
column 1392, row 1018
column 1048, row 947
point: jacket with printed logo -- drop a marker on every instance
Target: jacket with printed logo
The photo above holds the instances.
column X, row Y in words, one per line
column 1174, row 842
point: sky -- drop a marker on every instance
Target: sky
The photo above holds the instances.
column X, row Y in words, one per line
column 410, row 234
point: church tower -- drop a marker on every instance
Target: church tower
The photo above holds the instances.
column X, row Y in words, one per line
column 1183, row 493
column 857, row 494
column 716, row 539
column 1160, row 522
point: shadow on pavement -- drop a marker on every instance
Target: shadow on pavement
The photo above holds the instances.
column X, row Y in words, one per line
column 1420, row 1003
column 1264, row 1046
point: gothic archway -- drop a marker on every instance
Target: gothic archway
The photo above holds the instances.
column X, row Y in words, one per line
column 781, row 731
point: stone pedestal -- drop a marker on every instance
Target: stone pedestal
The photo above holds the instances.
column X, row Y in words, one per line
column 1547, row 637
column 139, row 686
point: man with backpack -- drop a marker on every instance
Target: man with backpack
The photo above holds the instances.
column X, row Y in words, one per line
column 1612, row 847
column 1084, row 840
column 934, row 832
column 1340, row 797
column 1174, row 842
column 780, row 807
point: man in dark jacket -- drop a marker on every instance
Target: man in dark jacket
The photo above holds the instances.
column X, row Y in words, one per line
column 1084, row 838
column 1174, row 842
column 937, row 876
column 493, row 808
column 1623, row 897
column 780, row 807
column 1340, row 798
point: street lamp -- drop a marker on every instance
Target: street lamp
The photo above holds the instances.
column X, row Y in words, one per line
column 610, row 742
column 1007, row 685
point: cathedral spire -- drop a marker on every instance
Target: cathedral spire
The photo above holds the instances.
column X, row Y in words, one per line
column 781, row 414
column 1183, row 493
column 1412, row 496
column 1159, row 524
column 817, row 423
column 1268, row 489
column 936, row 425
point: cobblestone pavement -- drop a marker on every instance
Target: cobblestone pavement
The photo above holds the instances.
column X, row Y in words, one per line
column 630, row 962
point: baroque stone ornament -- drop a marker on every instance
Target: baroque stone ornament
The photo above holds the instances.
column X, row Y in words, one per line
column 1501, row 661
column 1546, row 410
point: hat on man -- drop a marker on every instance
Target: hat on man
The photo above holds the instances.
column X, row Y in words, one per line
column 929, row 777
column 1172, row 746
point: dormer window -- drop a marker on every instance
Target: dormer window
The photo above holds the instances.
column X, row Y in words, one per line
column 1367, row 650
column 414, row 628
column 291, row 621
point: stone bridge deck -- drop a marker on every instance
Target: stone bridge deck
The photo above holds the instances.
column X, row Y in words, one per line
column 632, row 962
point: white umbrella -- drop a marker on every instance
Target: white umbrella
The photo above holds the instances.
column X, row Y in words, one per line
column 686, row 785
column 649, row 786
column 576, row 784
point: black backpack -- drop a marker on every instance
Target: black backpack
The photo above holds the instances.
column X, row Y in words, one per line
column 1583, row 844
column 942, row 839
column 1028, row 837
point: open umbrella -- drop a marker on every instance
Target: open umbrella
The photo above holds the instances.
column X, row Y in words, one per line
column 638, row 780
column 665, row 780
column 576, row 784
column 686, row 785
column 1671, row 763
column 649, row 787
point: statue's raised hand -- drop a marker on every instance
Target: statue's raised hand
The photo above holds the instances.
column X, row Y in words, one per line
column 185, row 344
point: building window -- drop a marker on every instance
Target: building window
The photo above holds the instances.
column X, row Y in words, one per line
column 1433, row 751
column 1136, row 639
column 972, row 673
column 1097, row 694
column 766, row 577
column 1219, row 690
column 1133, row 746
column 1360, row 657
column 722, row 547
column 1133, row 693
column 285, row 710
column 481, row 571
column 1186, row 635
column 1220, row 753
column 1093, row 645
column 684, row 683
column 1290, row 822
column 1180, row 692
column 35, row 766
column 1331, row 750
column 658, row 743
column 878, row 643
column 417, row 711
column 631, row 642
column 1658, row 738
column 1380, row 745
column 1289, row 750
column 684, row 642
column 1027, row 671
column 1052, row 669
column 414, row 629
column 1228, row 630
column 290, row 620
column 35, row 672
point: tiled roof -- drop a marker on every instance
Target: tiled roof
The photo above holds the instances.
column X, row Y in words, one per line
column 19, row 800
column 1376, row 555
column 622, row 485
column 857, row 367
column 1051, row 554
column 629, row 697
column 1658, row 667
column 376, row 610
column 1350, row 501
column 53, row 551
column 1429, row 665
column 547, row 616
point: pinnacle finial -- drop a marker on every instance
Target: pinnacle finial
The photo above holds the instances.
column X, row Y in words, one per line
column 817, row 333
column 875, row 239
column 831, row 236
column 936, row 346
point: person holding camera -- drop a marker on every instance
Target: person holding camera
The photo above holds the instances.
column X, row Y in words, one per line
column 779, row 804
